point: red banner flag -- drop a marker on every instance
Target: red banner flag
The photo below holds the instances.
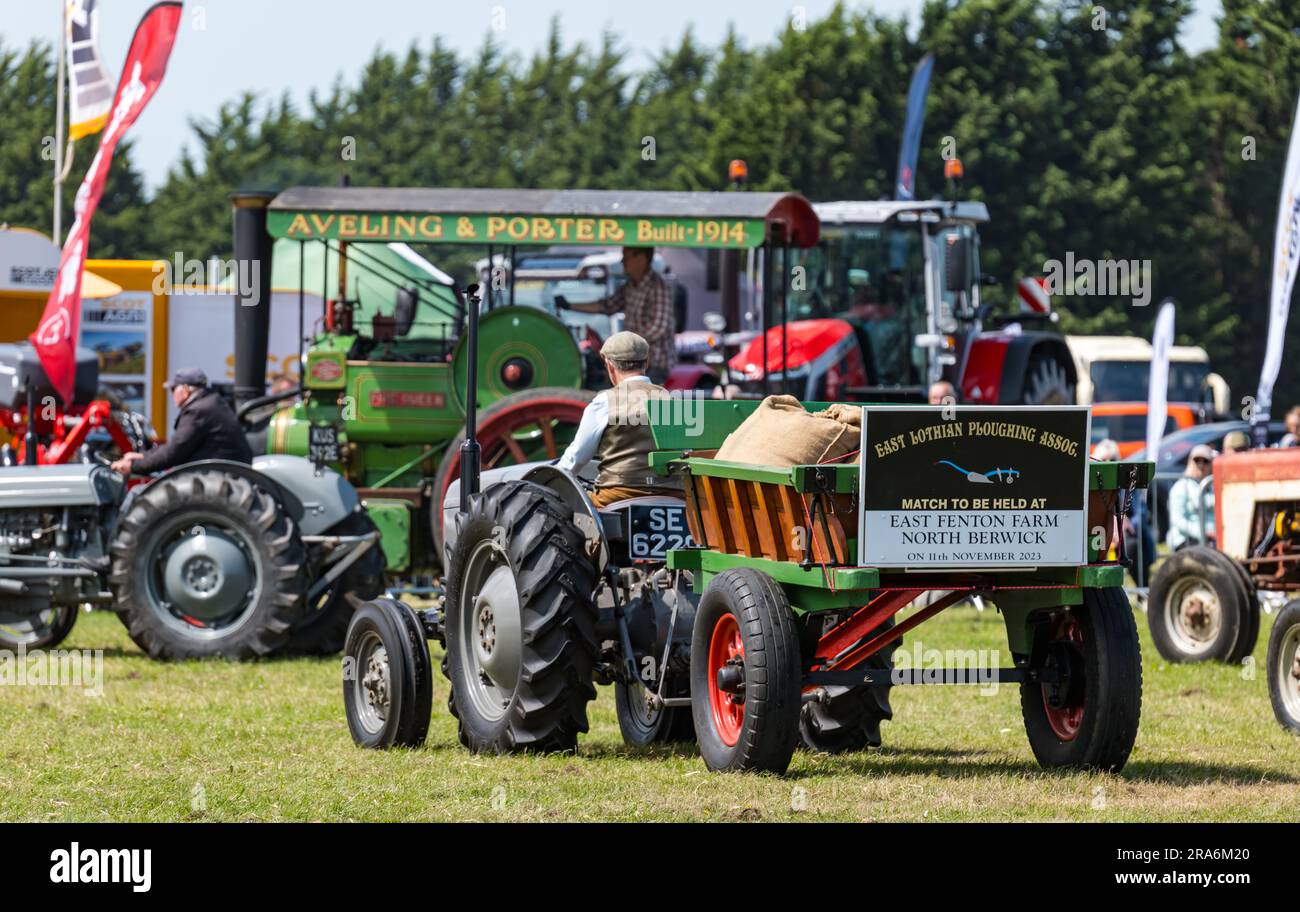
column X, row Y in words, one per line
column 55, row 338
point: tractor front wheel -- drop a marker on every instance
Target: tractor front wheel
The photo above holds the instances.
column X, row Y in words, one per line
column 387, row 676
column 1284, row 666
column 520, row 622
column 745, row 674
column 1082, row 713
column 1200, row 608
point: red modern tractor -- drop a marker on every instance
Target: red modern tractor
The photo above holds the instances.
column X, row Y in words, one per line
column 890, row 301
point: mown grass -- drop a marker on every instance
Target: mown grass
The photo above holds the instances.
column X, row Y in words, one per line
column 267, row 741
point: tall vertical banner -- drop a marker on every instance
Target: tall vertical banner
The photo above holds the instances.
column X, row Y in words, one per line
column 905, row 186
column 1286, row 253
column 1158, row 389
column 91, row 88
column 55, row 338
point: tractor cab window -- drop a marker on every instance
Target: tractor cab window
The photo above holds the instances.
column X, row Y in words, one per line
column 873, row 277
column 1128, row 381
column 955, row 304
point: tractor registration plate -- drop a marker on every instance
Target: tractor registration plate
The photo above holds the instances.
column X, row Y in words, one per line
column 323, row 444
column 655, row 529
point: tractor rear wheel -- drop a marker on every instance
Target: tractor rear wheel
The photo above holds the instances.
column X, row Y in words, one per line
column 529, row 426
column 745, row 674
column 387, row 676
column 1200, row 608
column 324, row 626
column 207, row 564
column 1085, row 716
column 520, row 622
column 1284, row 666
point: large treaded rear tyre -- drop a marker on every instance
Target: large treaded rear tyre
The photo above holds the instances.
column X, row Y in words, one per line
column 235, row 518
column 324, row 627
column 744, row 627
column 1200, row 608
column 387, row 676
column 520, row 622
column 850, row 719
column 1090, row 719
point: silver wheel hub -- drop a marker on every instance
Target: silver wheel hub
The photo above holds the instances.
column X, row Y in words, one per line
column 1288, row 670
column 1194, row 615
column 375, row 682
column 207, row 576
column 490, row 631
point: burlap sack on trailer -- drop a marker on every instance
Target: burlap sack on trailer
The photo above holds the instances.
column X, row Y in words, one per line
column 781, row 433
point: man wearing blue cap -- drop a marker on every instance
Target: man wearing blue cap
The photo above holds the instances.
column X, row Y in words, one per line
column 205, row 428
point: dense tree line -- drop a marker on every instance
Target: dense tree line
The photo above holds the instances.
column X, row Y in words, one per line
column 1085, row 127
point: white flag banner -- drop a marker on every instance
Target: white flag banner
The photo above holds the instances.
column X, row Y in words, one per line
column 91, row 88
column 1158, row 395
column 1286, row 253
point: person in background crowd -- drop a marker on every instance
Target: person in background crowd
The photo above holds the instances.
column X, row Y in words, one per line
column 647, row 306
column 1292, row 436
column 1236, row 442
column 205, row 428
column 942, row 393
column 1185, row 527
column 1139, row 537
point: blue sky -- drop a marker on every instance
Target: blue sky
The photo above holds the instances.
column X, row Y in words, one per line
column 271, row 46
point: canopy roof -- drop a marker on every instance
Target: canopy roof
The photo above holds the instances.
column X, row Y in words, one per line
column 876, row 212
column 550, row 217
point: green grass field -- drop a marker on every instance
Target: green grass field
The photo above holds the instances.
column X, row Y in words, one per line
column 221, row 741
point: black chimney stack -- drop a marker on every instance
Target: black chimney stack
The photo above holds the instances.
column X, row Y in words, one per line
column 252, row 314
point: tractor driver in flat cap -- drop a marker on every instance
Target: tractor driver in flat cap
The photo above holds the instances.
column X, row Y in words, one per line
column 205, row 428
column 615, row 428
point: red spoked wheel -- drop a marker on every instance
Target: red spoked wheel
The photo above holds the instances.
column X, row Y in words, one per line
column 530, row 426
column 1064, row 703
column 726, row 656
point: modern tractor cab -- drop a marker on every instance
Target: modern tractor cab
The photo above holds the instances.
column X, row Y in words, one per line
column 912, row 269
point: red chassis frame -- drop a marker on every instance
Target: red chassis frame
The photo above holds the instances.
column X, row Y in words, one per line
column 70, row 429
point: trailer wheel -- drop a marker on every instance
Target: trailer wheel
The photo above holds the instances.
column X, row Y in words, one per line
column 849, row 719
column 207, row 564
column 387, row 676
column 535, row 424
column 1284, row 666
column 1087, row 718
column 745, row 674
column 324, row 625
column 1199, row 608
column 642, row 726
column 520, row 622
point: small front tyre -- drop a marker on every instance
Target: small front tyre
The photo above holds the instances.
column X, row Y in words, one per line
column 745, row 674
column 1284, row 666
column 1083, row 713
column 387, row 676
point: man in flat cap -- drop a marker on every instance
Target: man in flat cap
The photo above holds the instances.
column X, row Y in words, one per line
column 205, row 428
column 615, row 428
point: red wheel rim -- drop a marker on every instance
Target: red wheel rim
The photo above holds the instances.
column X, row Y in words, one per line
column 536, row 421
column 724, row 648
column 1065, row 721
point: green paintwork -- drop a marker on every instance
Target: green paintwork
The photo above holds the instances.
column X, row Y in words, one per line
column 1105, row 476
column 393, row 519
column 524, row 333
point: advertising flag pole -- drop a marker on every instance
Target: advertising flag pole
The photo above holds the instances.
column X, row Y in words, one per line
column 58, row 124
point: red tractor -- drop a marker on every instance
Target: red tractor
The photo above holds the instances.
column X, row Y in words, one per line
column 889, row 302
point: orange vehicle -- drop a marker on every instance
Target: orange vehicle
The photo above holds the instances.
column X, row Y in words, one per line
column 1126, row 423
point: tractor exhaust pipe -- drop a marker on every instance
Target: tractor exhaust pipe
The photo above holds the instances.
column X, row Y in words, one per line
column 470, row 454
column 252, row 247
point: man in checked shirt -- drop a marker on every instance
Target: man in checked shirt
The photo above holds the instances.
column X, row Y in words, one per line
column 647, row 305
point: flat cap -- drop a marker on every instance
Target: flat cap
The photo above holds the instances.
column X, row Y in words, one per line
column 625, row 346
column 187, row 376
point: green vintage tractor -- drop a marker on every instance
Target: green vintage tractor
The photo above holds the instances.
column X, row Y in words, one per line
column 383, row 397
